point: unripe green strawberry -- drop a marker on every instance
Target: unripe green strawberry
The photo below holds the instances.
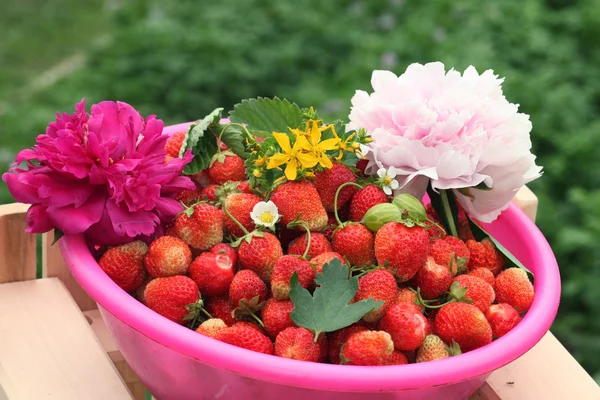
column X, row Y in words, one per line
column 260, row 254
column 201, row 226
column 283, row 270
column 124, row 264
column 295, row 198
column 328, row 181
column 402, row 250
column 168, row 256
column 355, row 243
column 513, row 287
column 169, row 296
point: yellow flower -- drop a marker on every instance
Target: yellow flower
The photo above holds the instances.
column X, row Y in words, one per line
column 290, row 156
column 260, row 161
column 317, row 148
column 257, row 173
column 344, row 145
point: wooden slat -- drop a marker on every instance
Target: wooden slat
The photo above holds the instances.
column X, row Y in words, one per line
column 53, row 265
column 527, row 201
column 17, row 248
column 47, row 348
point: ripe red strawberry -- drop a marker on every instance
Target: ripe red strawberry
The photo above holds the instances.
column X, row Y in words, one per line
column 260, row 254
column 244, row 187
column 212, row 328
column 174, row 144
column 355, row 242
column 405, row 295
column 201, row 226
column 435, row 226
column 432, row 348
column 449, row 251
column 169, row 296
column 338, row 338
column 318, row 245
column 276, row 316
column 485, row 255
column 322, row 259
column 361, row 165
column 465, row 324
column 220, row 307
column 295, row 198
column 406, row 325
column 367, row 348
column 245, row 287
column 168, row 256
column 331, row 225
column 328, row 182
column 230, row 169
column 125, row 265
column 502, row 318
column 513, row 287
column 240, row 205
column 364, row 199
column 210, row 192
column 397, row 358
column 433, row 279
column 139, row 293
column 484, row 274
column 404, row 249
column 224, row 248
column 212, row 273
column 299, row 344
column 283, row 270
column 379, row 285
column 189, row 197
column 245, row 335
column 479, row 292
column 464, row 231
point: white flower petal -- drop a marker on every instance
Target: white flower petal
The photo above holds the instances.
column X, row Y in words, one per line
column 395, row 184
column 391, row 172
column 381, row 172
column 387, row 190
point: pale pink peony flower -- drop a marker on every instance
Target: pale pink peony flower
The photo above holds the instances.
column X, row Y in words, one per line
column 102, row 174
column 457, row 131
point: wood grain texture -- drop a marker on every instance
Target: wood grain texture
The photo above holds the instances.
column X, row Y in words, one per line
column 48, row 350
column 17, row 248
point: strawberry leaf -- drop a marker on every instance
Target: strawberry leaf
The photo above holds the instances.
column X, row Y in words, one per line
column 232, row 135
column 202, row 143
column 267, row 115
column 327, row 309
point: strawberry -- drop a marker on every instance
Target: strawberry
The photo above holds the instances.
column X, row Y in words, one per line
column 513, row 287
column 212, row 328
column 459, row 248
column 223, row 248
column 355, row 242
column 379, row 285
column 465, row 324
column 168, row 256
column 169, row 296
column 328, row 181
column 478, row 292
column 189, row 197
column 229, row 167
column 405, row 295
column 331, row 226
column 260, row 254
column 318, row 245
column 247, row 336
column 322, row 259
column 485, row 255
column 338, row 338
column 283, row 270
column 402, row 250
column 406, row 325
column 276, row 316
column 247, row 289
column 210, row 192
column 174, row 144
column 367, row 348
column 200, row 226
column 220, row 307
column 124, row 264
column 434, row 348
column 240, row 205
column 502, row 318
column 484, row 274
column 287, row 236
column 139, row 293
column 449, row 251
column 299, row 344
column 397, row 358
column 244, row 187
column 364, row 199
column 295, row 198
column 212, row 273
column 433, row 279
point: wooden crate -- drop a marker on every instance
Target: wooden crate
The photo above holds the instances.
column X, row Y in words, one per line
column 54, row 344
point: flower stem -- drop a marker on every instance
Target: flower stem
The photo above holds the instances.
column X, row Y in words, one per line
column 303, row 224
column 235, row 220
column 335, row 199
column 448, row 212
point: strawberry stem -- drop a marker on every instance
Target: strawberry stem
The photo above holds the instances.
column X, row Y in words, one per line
column 448, row 212
column 304, row 225
column 235, row 220
column 335, row 200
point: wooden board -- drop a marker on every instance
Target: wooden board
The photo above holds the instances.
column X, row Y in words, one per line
column 17, row 248
column 47, row 348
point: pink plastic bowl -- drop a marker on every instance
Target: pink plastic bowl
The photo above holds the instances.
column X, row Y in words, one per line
column 177, row 363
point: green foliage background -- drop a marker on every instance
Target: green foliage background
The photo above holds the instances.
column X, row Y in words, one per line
column 180, row 59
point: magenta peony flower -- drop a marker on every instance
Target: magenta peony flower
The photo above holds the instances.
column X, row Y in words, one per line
column 103, row 174
column 455, row 131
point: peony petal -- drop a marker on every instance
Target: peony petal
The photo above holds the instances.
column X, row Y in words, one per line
column 74, row 220
column 37, row 220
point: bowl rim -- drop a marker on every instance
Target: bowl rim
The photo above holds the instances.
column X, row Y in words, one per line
column 331, row 377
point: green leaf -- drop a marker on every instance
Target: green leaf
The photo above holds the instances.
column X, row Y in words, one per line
column 446, row 208
column 381, row 214
column 232, row 135
column 202, row 142
column 267, row 115
column 57, row 235
column 480, row 234
column 327, row 310
column 196, row 131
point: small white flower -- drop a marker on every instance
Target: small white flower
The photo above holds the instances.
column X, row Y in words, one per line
column 386, row 177
column 265, row 214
